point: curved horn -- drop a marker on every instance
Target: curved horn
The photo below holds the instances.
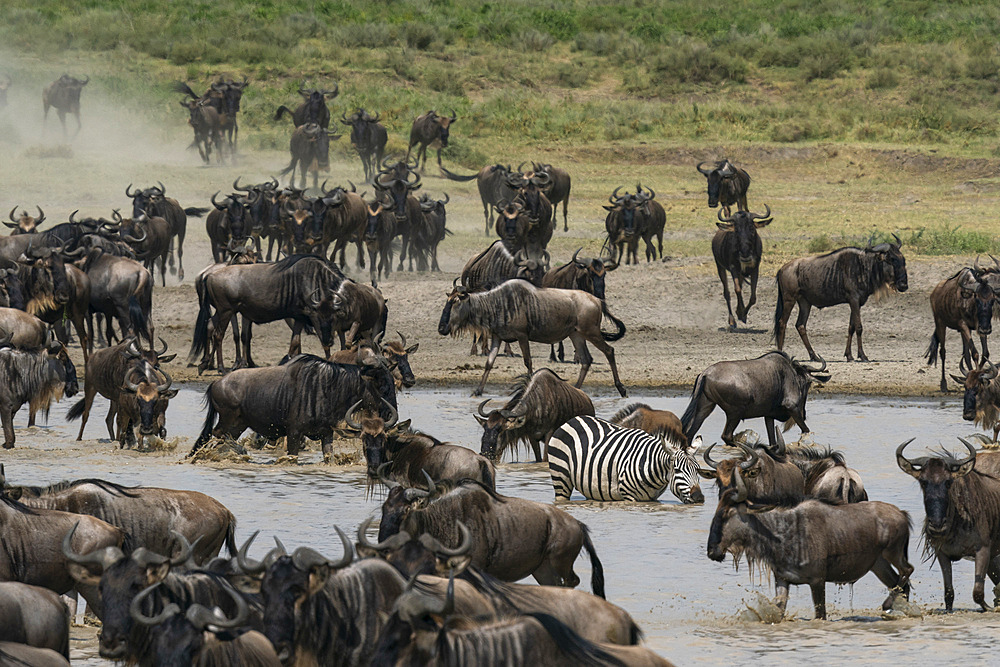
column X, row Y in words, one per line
column 431, row 488
column 71, row 220
column 394, row 415
column 245, row 564
column 389, row 544
column 389, row 484
column 105, row 557
column 480, row 409
column 135, row 609
column 464, row 546
column 402, row 338
column 913, row 467
column 12, row 218
column 975, row 265
column 130, row 386
column 722, row 219
column 162, row 387
column 991, row 373
column 305, row 559
column 159, row 353
column 215, row 203
column 349, row 417
column 714, row 465
column 348, row 556
column 704, row 171
column 758, row 216
column 958, row 465
column 754, row 457
column 741, row 488
column 236, row 186
column 810, row 369
column 130, row 194
column 201, row 617
column 41, row 215
column 186, row 548
column 899, row 242
column 575, row 254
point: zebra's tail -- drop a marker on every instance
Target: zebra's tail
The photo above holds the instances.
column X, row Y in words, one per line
column 597, row 570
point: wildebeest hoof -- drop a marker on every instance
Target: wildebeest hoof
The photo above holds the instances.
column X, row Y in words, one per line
column 477, row 392
column 622, row 390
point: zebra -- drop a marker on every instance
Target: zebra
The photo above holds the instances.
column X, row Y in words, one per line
column 608, row 462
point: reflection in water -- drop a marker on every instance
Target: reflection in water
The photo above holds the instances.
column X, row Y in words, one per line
column 653, row 554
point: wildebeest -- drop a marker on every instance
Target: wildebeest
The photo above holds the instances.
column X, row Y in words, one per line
column 33, row 616
column 201, row 636
column 395, row 184
column 582, row 274
column 122, row 289
column 623, row 225
column 24, row 224
column 963, row 302
column 408, row 457
column 428, row 129
column 434, row 228
column 848, row 275
column 771, row 478
column 827, row 476
column 64, row 95
column 493, row 188
column 27, row 331
column 653, row 220
column 369, row 137
column 36, row 378
column 727, row 185
column 299, row 287
column 207, row 126
column 142, row 406
column 303, row 398
column 963, row 515
column 310, row 149
column 150, row 238
column 57, row 291
column 40, row 532
column 541, row 402
column 497, row 265
column 737, row 249
column 654, row 422
column 557, row 190
column 519, row 311
column 814, row 542
column 772, row 386
column 313, row 108
column 19, row 655
column 229, row 221
column 359, row 310
column 424, row 630
column 512, row 537
column 153, row 201
column 380, row 231
column 981, row 400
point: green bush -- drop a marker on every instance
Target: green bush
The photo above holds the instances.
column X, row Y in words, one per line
column 946, row 240
column 534, row 41
column 882, row 78
column 692, row 61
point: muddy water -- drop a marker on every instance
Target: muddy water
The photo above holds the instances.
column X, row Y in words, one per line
column 653, row 554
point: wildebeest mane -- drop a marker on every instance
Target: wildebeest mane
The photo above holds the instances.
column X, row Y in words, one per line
column 447, row 486
column 104, row 485
column 814, row 461
column 511, row 299
column 976, row 511
column 27, row 378
column 16, row 506
column 289, row 262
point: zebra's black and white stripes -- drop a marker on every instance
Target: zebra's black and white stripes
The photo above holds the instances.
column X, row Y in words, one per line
column 607, row 462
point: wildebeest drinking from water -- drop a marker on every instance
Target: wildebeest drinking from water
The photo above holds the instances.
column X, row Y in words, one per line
column 848, row 275
column 813, row 543
column 737, row 249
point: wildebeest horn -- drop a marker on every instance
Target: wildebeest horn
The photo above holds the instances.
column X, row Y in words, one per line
column 480, row 409
column 614, row 198
column 975, row 265
column 388, row 544
column 811, row 370
column 349, row 417
column 136, row 239
column 135, row 609
column 236, row 186
column 348, row 556
column 958, row 465
column 132, row 349
column 312, row 296
column 41, row 216
column 245, row 564
column 305, row 559
column 162, row 188
column 741, row 488
column 128, row 192
column 991, row 373
column 280, row 547
column 116, row 216
column 722, row 219
column 454, row 116
column 704, row 171
column 899, row 243
column 708, row 457
column 402, row 338
column 574, row 260
column 910, row 467
column 201, row 617
column 464, row 546
column 105, row 557
column 754, row 457
column 130, row 386
column 519, row 410
column 394, row 415
column 186, row 548
column 389, row 484
column 12, row 218
column 71, row 220
column 758, row 216
column 215, row 203
column 414, row 493
column 162, row 387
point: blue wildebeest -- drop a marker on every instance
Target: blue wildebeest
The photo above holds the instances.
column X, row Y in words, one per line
column 558, row 189
column 652, row 220
column 149, row 238
column 493, row 188
column 541, row 402
column 313, row 108
column 428, row 129
column 57, row 290
column 407, row 457
column 772, row 386
column 727, row 185
column 380, row 231
column 369, row 137
column 153, row 201
column 826, row 475
column 305, row 397
column 512, row 537
column 121, row 289
column 962, row 502
column 622, row 226
column 582, row 274
column 304, row 285
column 64, row 95
column 230, row 221
column 815, row 542
column 34, row 616
column 24, row 224
column 310, row 149
column 204, row 119
column 518, row 311
column 530, row 187
column 737, row 249
column 655, row 422
column 34, row 377
column 848, row 275
column 981, row 400
column 434, row 229
column 771, row 478
column 963, row 302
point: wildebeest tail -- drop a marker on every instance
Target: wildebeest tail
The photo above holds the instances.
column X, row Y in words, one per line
column 76, row 411
column 778, row 310
column 617, row 322
column 635, row 634
column 486, row 470
column 383, row 320
column 455, row 177
column 195, row 211
column 198, row 345
column 597, row 570
column 580, row 650
column 692, row 409
column 184, row 89
column 138, row 318
column 206, row 435
column 931, row 354
column 281, row 110
column 231, row 537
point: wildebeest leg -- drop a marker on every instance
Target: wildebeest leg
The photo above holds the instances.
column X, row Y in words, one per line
column 62, row 120
column 580, row 345
column 78, row 124
column 525, row 353
column 780, row 594
column 944, row 562
column 293, row 443
column 732, row 421
column 753, row 293
column 7, row 416
column 352, row 335
column 295, row 345
column 109, row 421
column 327, row 444
column 220, row 322
column 800, row 326
column 897, row 583
column 490, row 360
column 361, row 257
column 725, row 294
column 855, row 327
column 983, row 558
column 609, row 354
column 969, row 353
column 819, row 599
column 769, row 427
column 552, row 353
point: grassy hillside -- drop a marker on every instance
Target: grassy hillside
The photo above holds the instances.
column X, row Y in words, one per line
column 563, row 72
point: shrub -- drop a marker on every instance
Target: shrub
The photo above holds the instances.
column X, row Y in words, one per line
column 882, row 78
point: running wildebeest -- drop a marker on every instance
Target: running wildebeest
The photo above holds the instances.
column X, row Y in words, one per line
column 369, row 137
column 493, row 188
column 207, row 126
column 541, row 403
column 737, row 249
column 25, row 224
column 814, row 542
column 34, row 616
column 848, row 275
column 981, row 400
column 727, row 185
column 64, row 95
column 428, row 129
column 310, row 149
column 963, row 302
column 772, row 386
column 963, row 515
column 313, row 108
column 518, row 311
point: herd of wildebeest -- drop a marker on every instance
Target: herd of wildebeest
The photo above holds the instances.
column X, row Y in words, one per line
column 436, row 585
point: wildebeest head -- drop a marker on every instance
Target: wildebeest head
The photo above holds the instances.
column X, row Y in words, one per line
column 732, row 501
column 531, row 268
column 416, row 630
column 288, row 584
column 48, row 286
column 413, row 556
column 513, row 416
column 373, row 213
column 591, row 274
column 455, row 315
column 977, row 402
column 319, row 308
column 25, row 224
column 143, row 200
column 180, row 635
column 771, row 478
column 122, row 579
column 398, row 354
column 623, row 207
column 236, row 209
column 529, row 186
column 298, row 212
column 152, row 397
column 320, row 140
column 983, row 286
column 444, row 124
column 397, row 181
column 400, row 500
column 936, row 476
column 512, row 221
column 744, row 225
column 315, row 101
column 57, row 352
column 358, row 122
column 373, row 431
column 723, row 169
column 893, row 263
column 232, row 94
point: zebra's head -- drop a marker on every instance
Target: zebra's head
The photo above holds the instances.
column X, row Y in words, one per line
column 684, row 480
